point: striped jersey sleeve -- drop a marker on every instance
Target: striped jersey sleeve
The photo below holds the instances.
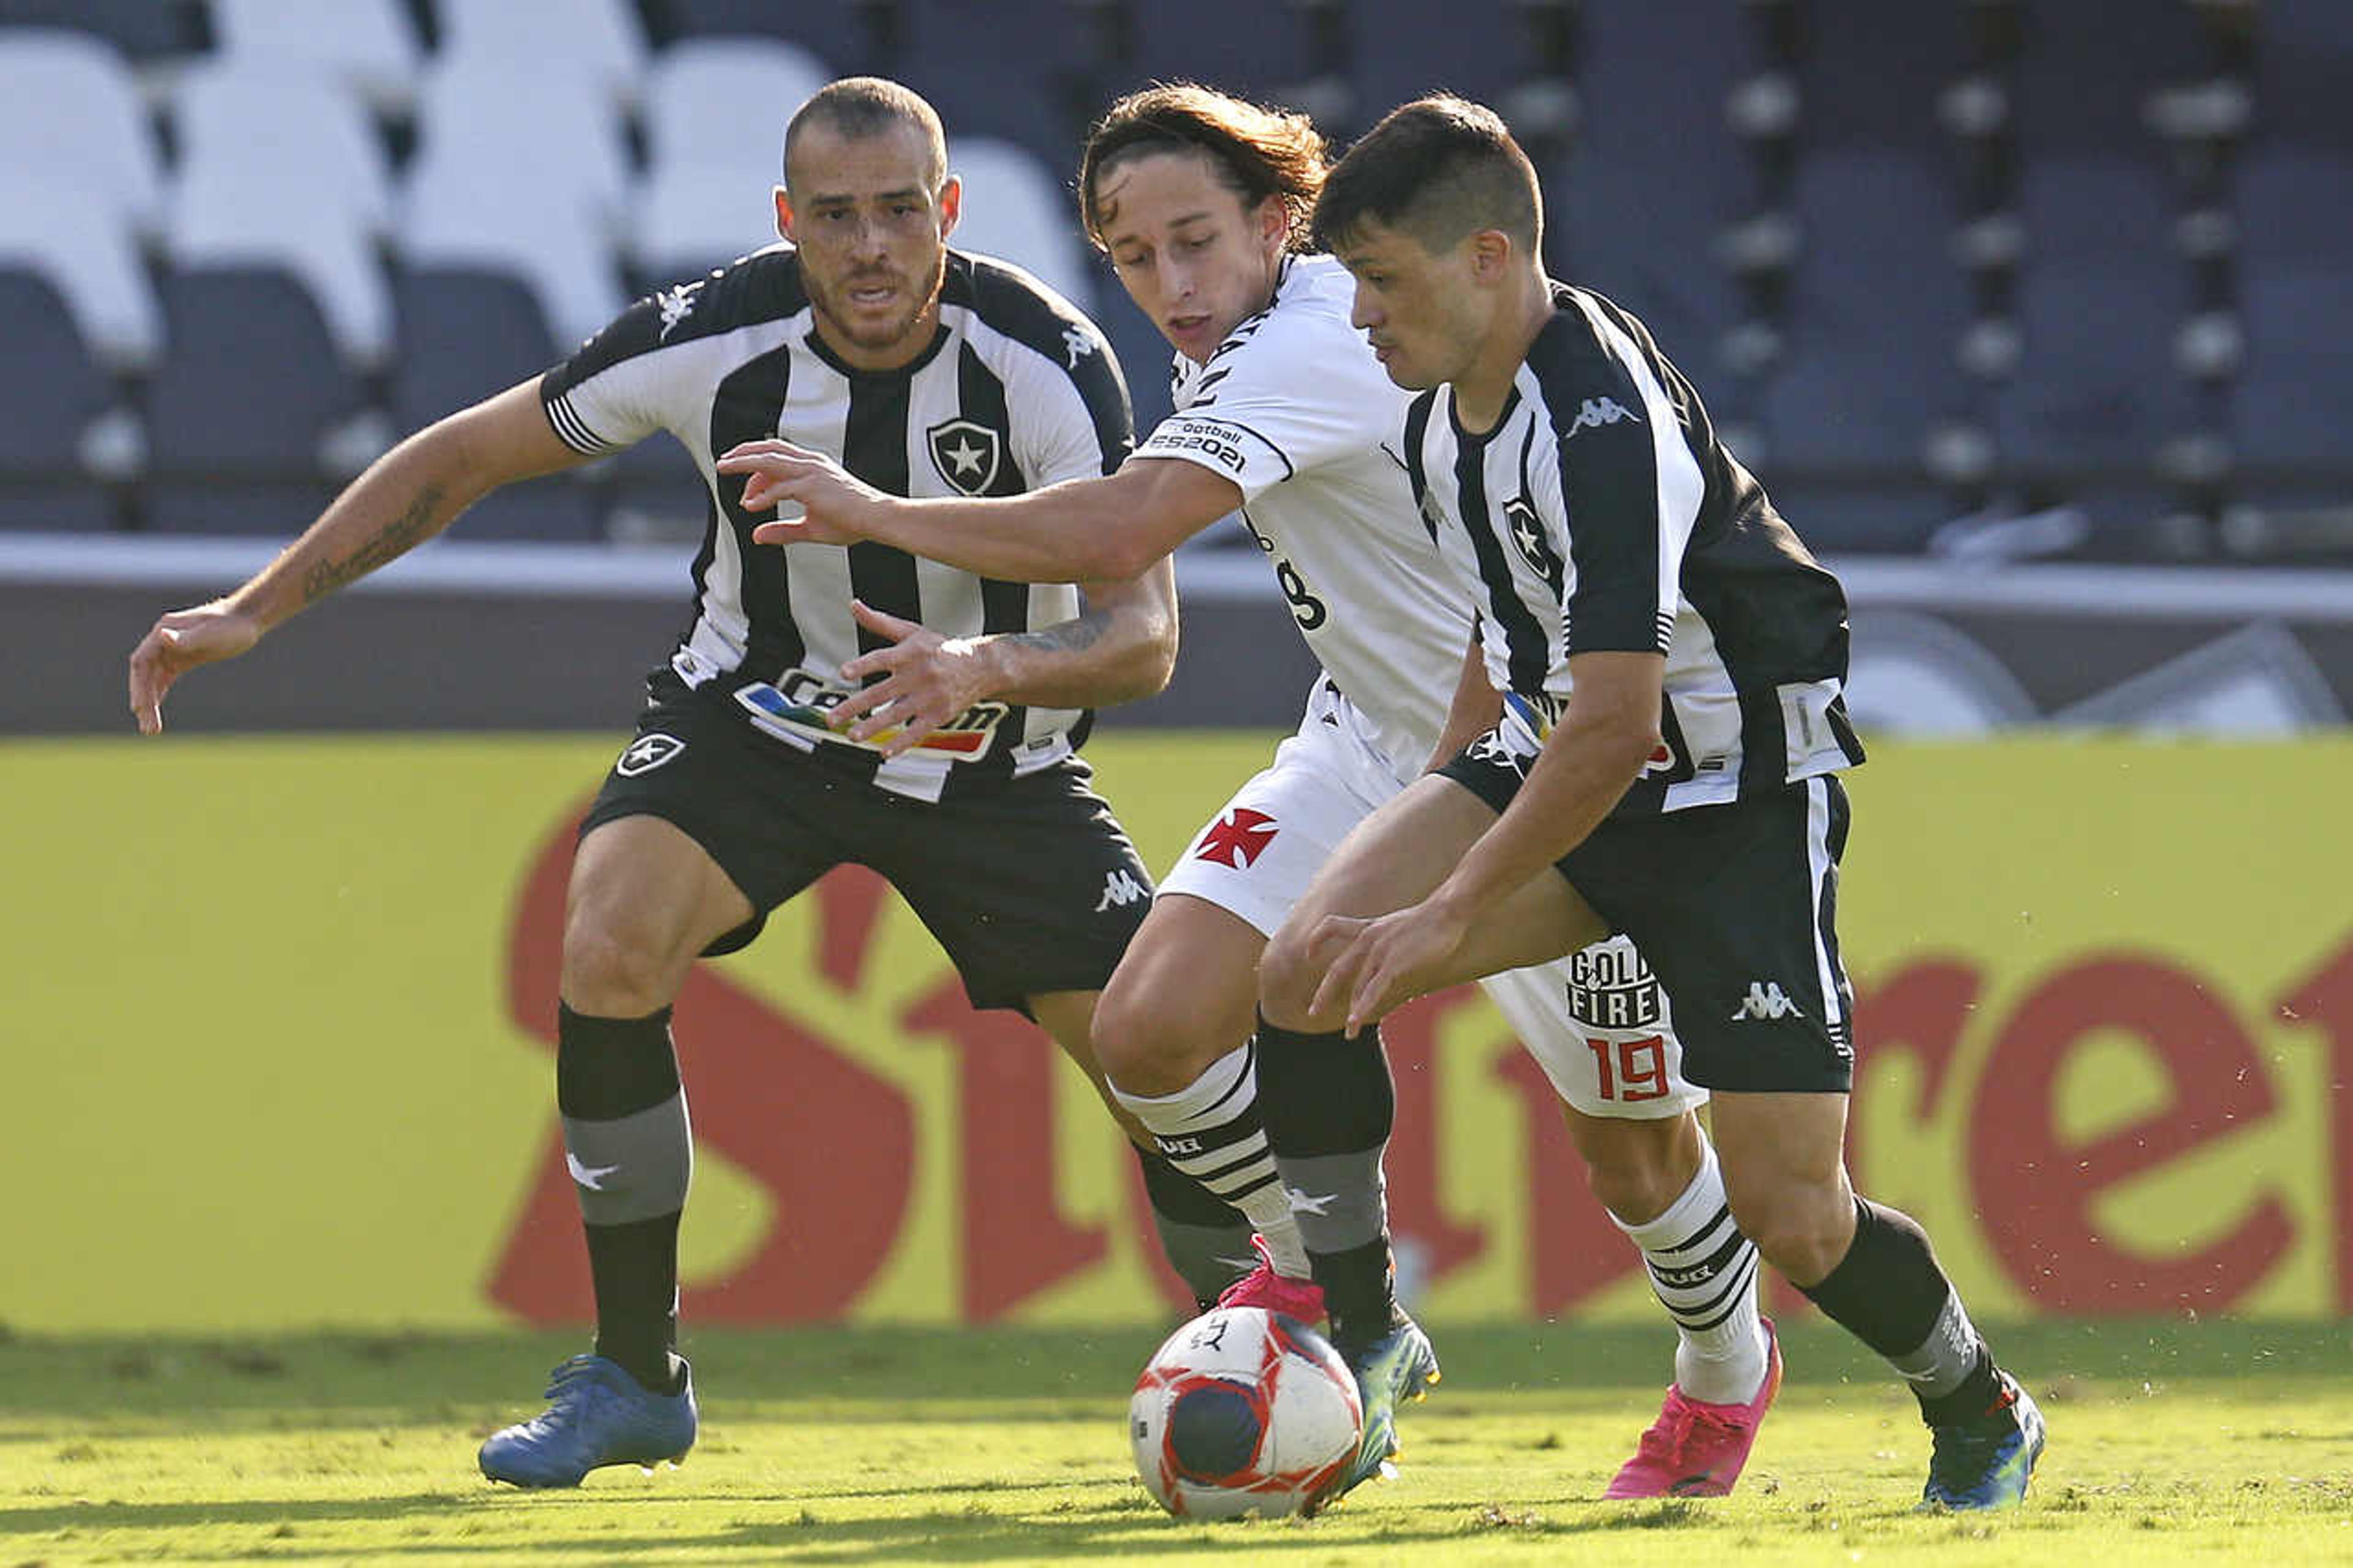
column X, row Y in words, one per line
column 1629, row 486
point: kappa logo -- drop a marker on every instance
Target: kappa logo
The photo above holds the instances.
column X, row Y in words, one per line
column 966, row 454
column 1121, row 889
column 1596, row 412
column 1529, row 539
column 590, row 1177
column 1766, row 999
column 1077, row 345
column 677, row 304
column 647, row 753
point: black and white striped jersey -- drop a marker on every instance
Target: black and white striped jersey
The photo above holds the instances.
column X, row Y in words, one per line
column 1602, row 514
column 1017, row 390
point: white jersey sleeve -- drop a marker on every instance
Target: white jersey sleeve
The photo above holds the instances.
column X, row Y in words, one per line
column 1283, row 393
column 638, row 375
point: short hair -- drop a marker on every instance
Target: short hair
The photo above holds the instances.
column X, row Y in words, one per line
column 1256, row 152
column 857, row 107
column 1439, row 168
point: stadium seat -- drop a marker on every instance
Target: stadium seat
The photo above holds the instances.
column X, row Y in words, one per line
column 54, row 389
column 279, row 167
column 1247, row 46
column 1015, row 208
column 1398, row 51
column 71, row 107
column 1026, row 74
column 77, row 236
column 1876, row 315
column 837, row 30
column 1871, row 75
column 2102, row 296
column 543, row 126
column 248, row 391
column 1641, row 209
column 693, row 218
column 369, row 45
column 715, row 110
column 476, row 214
column 2304, row 58
column 2083, row 82
column 144, row 30
column 2288, row 408
column 604, row 38
column 465, row 336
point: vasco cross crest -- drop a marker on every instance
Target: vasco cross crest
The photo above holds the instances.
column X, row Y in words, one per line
column 966, row 454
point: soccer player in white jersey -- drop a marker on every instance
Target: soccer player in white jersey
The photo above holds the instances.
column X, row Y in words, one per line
column 929, row 372
column 1282, row 414
column 1674, row 663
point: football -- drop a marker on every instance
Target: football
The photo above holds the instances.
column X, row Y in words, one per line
column 1243, row 1411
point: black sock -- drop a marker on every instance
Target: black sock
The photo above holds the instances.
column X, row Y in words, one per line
column 1328, row 1105
column 1890, row 1293
column 1205, row 1238
column 625, row 1129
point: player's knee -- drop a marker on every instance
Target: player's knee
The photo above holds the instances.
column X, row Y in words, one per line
column 1802, row 1228
column 1150, row 1040
column 1287, row 979
column 1637, row 1169
column 615, row 969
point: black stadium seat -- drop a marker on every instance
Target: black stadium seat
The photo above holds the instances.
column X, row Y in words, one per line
column 143, row 29
column 249, row 385
column 54, row 388
column 463, row 335
column 1876, row 312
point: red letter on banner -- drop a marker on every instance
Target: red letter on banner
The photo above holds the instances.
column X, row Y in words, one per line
column 2039, row 1191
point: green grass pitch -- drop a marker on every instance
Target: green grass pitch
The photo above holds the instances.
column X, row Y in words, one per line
column 2174, row 1442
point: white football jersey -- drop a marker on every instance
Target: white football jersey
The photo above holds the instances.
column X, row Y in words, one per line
column 1295, row 411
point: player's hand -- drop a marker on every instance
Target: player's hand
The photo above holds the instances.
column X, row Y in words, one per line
column 1376, row 966
column 836, row 508
column 929, row 680
column 175, row 644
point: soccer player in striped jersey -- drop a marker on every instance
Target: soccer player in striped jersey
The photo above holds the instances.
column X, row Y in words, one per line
column 928, row 372
column 1673, row 662
column 1198, row 200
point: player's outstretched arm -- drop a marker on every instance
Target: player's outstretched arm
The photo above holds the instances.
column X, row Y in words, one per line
column 1080, row 531
column 405, row 497
column 1120, row 649
column 1600, row 748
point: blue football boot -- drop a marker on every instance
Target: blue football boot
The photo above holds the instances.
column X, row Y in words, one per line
column 1986, row 1462
column 1399, row 1366
column 596, row 1414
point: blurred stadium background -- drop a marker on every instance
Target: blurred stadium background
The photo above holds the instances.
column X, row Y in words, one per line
column 2034, row 315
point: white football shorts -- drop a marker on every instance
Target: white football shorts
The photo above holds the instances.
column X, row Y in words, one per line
column 1596, row 1021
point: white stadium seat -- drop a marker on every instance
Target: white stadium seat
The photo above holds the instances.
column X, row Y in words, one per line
column 602, row 35
column 279, row 167
column 76, row 234
column 480, row 215
column 70, row 106
column 278, row 119
column 543, row 125
column 1016, row 209
column 369, row 45
column 725, row 100
column 715, row 110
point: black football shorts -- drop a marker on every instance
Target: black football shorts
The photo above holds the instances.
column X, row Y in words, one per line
column 1735, row 907
column 1029, row 883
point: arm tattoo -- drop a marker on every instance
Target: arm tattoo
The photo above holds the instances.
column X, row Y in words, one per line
column 388, row 543
column 1066, row 637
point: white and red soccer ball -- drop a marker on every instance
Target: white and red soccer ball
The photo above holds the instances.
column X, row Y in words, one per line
column 1243, row 1411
